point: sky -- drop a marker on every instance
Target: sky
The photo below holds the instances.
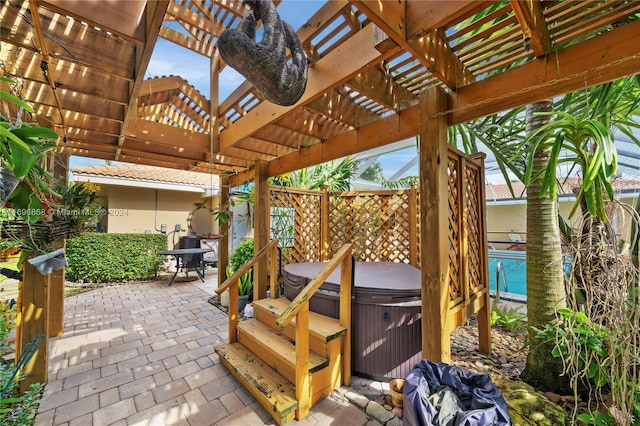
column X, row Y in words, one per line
column 171, row 59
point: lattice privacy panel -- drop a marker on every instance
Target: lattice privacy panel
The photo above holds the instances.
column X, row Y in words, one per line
column 385, row 226
column 377, row 223
column 454, row 220
column 474, row 219
column 295, row 220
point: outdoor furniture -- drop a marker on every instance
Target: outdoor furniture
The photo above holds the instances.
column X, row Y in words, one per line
column 185, row 259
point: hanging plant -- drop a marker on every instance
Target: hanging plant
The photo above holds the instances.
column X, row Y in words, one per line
column 22, row 146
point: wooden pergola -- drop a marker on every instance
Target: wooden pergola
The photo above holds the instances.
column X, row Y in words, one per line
column 381, row 71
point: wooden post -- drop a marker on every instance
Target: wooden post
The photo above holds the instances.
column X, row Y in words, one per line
column 56, row 303
column 223, row 230
column 434, row 247
column 35, row 302
column 261, row 219
column 484, row 314
column 303, row 383
column 346, row 283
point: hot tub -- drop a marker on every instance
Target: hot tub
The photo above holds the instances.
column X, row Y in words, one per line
column 386, row 313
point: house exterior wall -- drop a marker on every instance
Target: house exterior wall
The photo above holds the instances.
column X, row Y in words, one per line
column 506, row 219
column 140, row 210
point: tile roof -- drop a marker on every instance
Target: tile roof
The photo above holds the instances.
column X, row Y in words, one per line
column 500, row 192
column 149, row 174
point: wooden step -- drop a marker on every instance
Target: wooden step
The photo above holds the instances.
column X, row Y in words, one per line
column 322, row 329
column 276, row 349
column 276, row 394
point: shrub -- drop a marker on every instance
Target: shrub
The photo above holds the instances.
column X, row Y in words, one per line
column 241, row 255
column 97, row 257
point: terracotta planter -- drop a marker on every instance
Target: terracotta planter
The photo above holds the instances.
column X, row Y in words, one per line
column 396, row 387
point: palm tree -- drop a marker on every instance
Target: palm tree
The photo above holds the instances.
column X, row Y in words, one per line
column 545, row 284
column 517, row 154
column 336, row 175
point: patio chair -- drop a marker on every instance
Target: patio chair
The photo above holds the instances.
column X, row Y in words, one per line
column 191, row 261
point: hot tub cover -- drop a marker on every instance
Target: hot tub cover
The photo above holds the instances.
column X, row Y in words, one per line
column 439, row 394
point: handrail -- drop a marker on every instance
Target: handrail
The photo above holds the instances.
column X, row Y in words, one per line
column 231, row 284
column 500, row 270
column 299, row 309
column 310, row 289
column 245, row 267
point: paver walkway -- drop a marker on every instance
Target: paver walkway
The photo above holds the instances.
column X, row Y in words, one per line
column 142, row 354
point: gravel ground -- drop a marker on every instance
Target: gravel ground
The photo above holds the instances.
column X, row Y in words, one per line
column 509, row 353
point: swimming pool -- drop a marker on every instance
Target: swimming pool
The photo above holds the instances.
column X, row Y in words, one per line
column 512, row 269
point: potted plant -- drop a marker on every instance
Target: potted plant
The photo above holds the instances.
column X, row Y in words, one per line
column 241, row 255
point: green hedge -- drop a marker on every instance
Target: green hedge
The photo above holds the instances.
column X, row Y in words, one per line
column 98, row 257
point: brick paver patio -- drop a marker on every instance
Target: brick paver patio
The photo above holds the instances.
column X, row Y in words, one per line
column 142, row 354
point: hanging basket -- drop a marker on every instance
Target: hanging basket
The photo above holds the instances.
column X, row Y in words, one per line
column 40, row 233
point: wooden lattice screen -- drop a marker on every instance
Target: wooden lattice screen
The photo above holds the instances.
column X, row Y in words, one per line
column 296, row 221
column 468, row 275
column 384, row 226
column 380, row 224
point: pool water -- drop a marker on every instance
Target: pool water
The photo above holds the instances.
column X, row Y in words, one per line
column 514, row 265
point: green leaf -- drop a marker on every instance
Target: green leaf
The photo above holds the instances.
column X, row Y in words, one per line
column 23, row 161
column 34, row 132
column 15, row 100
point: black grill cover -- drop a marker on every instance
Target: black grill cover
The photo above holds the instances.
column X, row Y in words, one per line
column 438, row 394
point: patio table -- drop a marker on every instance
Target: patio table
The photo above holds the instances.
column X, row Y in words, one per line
column 181, row 254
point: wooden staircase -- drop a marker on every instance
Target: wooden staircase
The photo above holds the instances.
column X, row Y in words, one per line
column 264, row 358
column 288, row 357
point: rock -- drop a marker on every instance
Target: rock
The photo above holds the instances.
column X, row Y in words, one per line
column 397, row 411
column 553, row 397
column 527, row 406
column 378, row 412
column 394, row 422
column 357, row 398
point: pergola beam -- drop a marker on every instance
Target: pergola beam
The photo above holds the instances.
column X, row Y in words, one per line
column 614, row 54
column 335, row 68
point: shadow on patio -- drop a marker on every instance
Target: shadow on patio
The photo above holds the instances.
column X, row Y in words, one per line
column 142, row 354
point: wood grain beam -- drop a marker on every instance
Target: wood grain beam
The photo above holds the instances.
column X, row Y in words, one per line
column 379, row 133
column 381, row 87
column 430, row 47
column 182, row 40
column 335, row 68
column 155, row 132
column 341, row 107
column 126, row 19
column 606, row 57
column 534, row 26
column 153, row 18
column 424, row 16
column 611, row 56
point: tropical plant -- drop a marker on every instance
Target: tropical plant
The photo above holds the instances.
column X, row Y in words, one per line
column 544, row 268
column 21, row 147
column 594, row 355
column 335, row 175
column 511, row 319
